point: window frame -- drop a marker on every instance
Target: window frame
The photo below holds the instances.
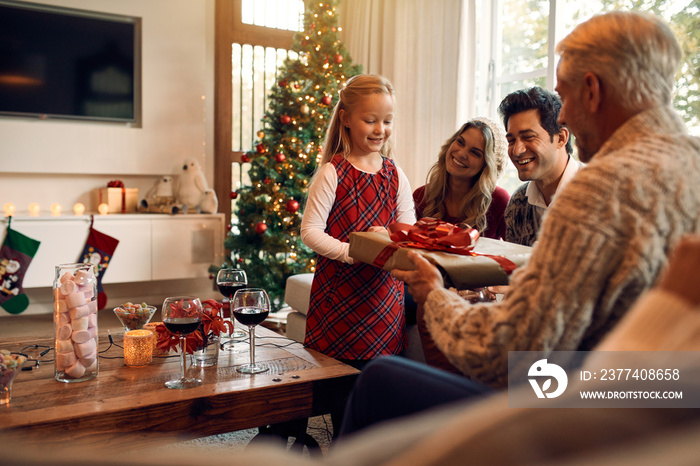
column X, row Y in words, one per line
column 230, row 29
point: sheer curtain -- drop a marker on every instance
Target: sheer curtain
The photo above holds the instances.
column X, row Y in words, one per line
column 425, row 48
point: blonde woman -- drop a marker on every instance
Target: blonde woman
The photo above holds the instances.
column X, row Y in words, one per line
column 461, row 185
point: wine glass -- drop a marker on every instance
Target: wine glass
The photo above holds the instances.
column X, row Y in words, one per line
column 251, row 307
column 182, row 315
column 229, row 281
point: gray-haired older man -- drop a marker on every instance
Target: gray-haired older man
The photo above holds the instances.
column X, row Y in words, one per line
column 602, row 243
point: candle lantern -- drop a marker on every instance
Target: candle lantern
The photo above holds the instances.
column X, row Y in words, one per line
column 138, row 348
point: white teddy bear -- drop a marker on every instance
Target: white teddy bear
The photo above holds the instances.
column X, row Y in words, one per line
column 194, row 191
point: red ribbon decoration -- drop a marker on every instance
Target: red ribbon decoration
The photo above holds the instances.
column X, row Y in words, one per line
column 435, row 235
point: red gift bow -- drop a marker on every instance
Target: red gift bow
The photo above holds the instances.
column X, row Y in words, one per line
column 435, row 235
column 115, row 184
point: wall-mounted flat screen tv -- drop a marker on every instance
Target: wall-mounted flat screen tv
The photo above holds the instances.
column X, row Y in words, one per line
column 67, row 63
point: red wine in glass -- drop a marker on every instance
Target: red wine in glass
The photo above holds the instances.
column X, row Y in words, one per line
column 229, row 289
column 230, row 280
column 251, row 307
column 182, row 326
column 251, row 315
column 182, row 315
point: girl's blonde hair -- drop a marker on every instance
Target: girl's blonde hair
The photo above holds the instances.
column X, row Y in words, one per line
column 338, row 136
column 477, row 202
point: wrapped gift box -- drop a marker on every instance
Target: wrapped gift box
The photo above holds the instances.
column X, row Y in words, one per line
column 119, row 200
column 462, row 272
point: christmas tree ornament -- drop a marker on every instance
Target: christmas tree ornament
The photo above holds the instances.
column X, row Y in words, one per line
column 260, row 148
column 285, row 119
column 292, row 206
column 233, row 195
column 338, row 58
column 260, row 228
column 98, row 251
column 275, row 188
column 304, row 109
column 280, row 157
column 16, row 253
column 326, row 100
column 282, row 83
column 245, row 158
column 267, row 180
column 261, row 134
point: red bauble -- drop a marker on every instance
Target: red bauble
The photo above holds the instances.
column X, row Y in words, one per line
column 260, row 148
column 245, row 158
column 285, row 119
column 339, row 58
column 240, row 260
column 282, row 83
column 280, row 157
column 233, row 194
column 292, row 206
column 260, row 228
column 326, row 100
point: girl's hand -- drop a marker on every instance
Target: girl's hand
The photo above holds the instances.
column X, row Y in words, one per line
column 379, row 229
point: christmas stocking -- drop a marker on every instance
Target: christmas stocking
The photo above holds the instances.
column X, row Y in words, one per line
column 98, row 251
column 15, row 255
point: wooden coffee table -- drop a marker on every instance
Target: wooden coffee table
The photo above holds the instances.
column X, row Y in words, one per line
column 125, row 406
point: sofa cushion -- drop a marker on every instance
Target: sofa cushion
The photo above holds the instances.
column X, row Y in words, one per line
column 298, row 291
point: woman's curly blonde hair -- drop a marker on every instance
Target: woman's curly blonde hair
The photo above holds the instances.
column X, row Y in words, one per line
column 477, row 202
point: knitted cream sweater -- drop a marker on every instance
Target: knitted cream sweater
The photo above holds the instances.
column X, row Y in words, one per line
column 603, row 241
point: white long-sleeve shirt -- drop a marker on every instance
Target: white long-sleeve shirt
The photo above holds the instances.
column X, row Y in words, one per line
column 320, row 202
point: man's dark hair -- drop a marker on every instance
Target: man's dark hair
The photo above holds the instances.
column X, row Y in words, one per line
column 546, row 103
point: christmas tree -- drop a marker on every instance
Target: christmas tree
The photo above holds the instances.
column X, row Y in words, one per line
column 265, row 242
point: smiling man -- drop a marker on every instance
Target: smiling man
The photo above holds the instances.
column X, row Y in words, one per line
column 540, row 149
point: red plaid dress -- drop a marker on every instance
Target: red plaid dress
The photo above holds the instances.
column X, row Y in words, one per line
column 357, row 310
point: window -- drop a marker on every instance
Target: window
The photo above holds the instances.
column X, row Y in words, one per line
column 253, row 38
column 517, row 39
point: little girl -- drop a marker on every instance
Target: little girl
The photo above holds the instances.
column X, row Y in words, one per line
column 356, row 311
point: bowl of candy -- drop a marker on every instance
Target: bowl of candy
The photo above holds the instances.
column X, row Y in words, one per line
column 134, row 316
column 10, row 366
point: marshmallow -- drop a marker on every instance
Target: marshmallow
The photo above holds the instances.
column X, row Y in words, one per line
column 92, row 321
column 76, row 299
column 81, row 323
column 64, row 332
column 80, row 311
column 83, row 349
column 93, row 366
column 93, row 331
column 68, row 288
column 60, row 305
column 68, row 276
column 64, row 346
column 63, row 319
column 88, row 292
column 81, row 336
column 89, row 360
column 82, row 277
column 92, row 305
column 64, row 360
column 76, row 370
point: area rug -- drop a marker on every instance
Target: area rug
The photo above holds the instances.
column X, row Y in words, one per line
column 319, row 427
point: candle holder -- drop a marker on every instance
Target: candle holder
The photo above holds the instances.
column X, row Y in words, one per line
column 138, row 348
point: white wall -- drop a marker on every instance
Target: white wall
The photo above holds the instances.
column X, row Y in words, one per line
column 47, row 161
column 63, row 161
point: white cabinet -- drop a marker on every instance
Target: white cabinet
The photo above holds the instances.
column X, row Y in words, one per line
column 151, row 246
